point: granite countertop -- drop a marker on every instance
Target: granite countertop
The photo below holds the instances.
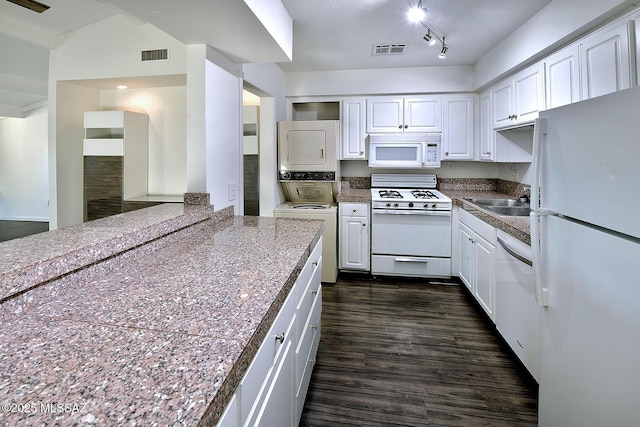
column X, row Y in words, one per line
column 354, row 195
column 517, row 227
column 158, row 335
column 27, row 262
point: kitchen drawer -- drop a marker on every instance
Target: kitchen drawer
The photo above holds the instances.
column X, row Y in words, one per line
column 311, row 292
column 410, row 266
column 258, row 372
column 306, row 354
column 481, row 228
column 354, row 209
column 313, row 263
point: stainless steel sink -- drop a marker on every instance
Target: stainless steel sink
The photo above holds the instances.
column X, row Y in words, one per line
column 498, row 202
column 504, row 207
column 510, row 210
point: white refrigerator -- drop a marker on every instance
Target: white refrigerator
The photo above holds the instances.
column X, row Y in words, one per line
column 586, row 245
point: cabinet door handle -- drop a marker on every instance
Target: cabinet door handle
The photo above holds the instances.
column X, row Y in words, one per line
column 314, row 326
column 314, row 292
column 280, row 338
column 399, row 126
column 446, row 153
column 315, row 263
column 406, row 126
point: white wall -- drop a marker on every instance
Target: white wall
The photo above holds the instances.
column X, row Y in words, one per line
column 167, row 111
column 66, row 132
column 24, row 189
column 223, row 116
column 380, row 81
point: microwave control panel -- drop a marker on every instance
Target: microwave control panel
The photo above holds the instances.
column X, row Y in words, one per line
column 432, row 155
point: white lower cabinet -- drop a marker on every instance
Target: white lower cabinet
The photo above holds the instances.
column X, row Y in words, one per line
column 354, row 236
column 273, row 390
column 477, row 254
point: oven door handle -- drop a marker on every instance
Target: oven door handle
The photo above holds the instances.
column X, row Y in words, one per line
column 410, row 259
column 410, row 212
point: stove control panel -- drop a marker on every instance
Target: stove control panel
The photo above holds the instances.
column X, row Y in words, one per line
column 431, row 206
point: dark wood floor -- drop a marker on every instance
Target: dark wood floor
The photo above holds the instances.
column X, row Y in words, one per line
column 10, row 230
column 399, row 352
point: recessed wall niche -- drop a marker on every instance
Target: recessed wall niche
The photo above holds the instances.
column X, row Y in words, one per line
column 115, row 149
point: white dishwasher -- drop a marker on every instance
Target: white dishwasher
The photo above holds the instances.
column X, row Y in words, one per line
column 517, row 313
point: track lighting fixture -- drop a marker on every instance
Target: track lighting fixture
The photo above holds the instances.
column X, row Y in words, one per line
column 429, row 38
column 443, row 51
column 417, row 15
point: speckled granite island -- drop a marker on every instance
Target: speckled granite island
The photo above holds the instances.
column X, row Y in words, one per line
column 145, row 318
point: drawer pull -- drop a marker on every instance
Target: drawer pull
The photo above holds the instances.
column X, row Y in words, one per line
column 280, row 338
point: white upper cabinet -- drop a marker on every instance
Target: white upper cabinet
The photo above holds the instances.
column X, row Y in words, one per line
column 605, row 61
column 393, row 115
column 458, row 127
column 562, row 77
column 520, row 98
column 502, row 104
column 486, row 145
column 353, row 129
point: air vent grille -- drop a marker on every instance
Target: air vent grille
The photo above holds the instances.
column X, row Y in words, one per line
column 155, row 55
column 389, row 49
column 31, row 5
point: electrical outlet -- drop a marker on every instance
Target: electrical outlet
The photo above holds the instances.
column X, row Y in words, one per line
column 514, row 172
column 451, row 166
column 233, row 190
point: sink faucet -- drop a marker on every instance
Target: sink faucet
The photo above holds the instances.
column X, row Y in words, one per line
column 525, row 197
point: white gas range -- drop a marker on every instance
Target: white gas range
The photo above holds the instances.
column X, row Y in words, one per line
column 410, row 226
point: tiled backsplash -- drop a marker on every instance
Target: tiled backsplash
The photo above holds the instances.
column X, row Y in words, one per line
column 515, row 189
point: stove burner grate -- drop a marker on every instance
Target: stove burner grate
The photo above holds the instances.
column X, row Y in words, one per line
column 423, row 194
column 390, row 194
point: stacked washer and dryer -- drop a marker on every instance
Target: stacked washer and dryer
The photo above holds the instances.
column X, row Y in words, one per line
column 309, row 171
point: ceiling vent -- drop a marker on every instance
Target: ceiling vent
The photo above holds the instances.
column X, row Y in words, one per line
column 155, row 55
column 389, row 49
column 31, row 5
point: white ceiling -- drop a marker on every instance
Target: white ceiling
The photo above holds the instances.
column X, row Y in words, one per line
column 327, row 34
column 340, row 34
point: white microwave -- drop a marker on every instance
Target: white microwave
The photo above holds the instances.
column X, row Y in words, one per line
column 405, row 151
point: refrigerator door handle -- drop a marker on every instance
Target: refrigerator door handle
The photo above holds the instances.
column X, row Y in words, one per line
column 539, row 130
column 542, row 293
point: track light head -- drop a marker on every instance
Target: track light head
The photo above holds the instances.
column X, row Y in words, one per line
column 429, row 38
column 443, row 51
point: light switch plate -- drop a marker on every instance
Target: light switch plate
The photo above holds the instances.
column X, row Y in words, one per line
column 233, row 190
